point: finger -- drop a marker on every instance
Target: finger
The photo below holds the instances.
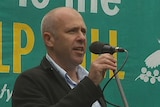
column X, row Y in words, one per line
column 108, row 61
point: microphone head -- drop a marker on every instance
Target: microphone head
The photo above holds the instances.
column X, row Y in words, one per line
column 96, row 47
column 100, row 48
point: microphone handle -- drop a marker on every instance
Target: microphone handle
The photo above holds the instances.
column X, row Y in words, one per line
column 121, row 90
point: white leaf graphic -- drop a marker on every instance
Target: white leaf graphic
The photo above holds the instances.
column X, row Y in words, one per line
column 153, row 60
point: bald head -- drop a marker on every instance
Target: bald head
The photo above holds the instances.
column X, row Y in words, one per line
column 64, row 30
column 58, row 15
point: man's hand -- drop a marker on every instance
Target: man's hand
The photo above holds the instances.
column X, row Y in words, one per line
column 100, row 66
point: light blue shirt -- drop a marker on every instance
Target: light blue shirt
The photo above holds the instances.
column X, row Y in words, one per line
column 82, row 72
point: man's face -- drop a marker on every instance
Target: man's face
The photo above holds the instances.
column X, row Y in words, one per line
column 70, row 40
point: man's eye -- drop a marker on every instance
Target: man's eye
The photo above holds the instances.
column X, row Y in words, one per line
column 83, row 31
column 73, row 30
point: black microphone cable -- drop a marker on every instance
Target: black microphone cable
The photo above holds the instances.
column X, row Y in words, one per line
column 116, row 72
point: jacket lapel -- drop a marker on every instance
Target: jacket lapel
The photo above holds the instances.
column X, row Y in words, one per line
column 52, row 71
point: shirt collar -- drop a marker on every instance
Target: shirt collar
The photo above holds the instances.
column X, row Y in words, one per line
column 82, row 72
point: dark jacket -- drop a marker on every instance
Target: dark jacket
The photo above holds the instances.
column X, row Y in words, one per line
column 43, row 86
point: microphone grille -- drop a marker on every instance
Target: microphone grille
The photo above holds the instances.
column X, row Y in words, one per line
column 96, row 47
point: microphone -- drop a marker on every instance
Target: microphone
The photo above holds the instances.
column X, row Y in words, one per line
column 100, row 48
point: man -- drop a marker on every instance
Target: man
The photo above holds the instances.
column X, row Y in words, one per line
column 60, row 81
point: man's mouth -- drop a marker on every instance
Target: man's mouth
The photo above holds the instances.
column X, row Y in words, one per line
column 80, row 49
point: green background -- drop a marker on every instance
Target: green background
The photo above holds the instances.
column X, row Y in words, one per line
column 138, row 27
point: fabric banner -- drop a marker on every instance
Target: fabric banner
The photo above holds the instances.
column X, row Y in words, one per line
column 133, row 25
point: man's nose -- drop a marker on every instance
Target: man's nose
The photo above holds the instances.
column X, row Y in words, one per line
column 81, row 37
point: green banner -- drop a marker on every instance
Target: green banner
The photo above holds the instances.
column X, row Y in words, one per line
column 133, row 25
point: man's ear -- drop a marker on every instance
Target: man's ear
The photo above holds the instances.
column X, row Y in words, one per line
column 48, row 39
